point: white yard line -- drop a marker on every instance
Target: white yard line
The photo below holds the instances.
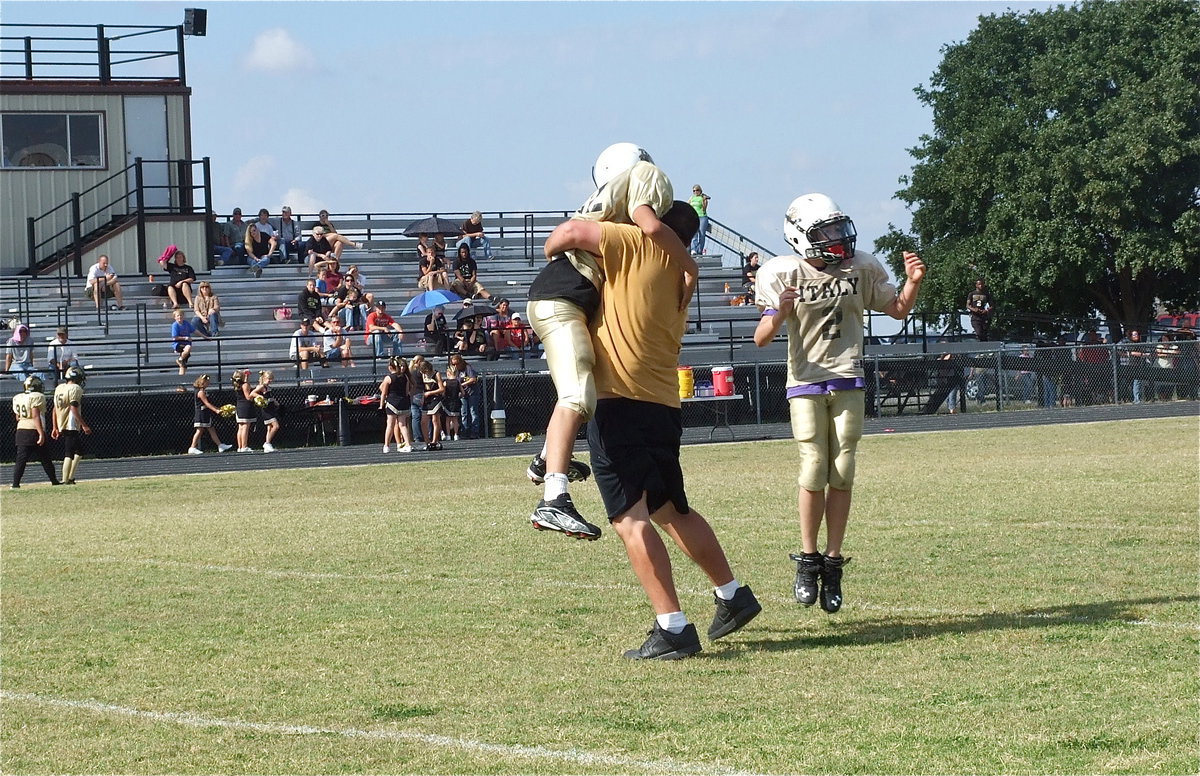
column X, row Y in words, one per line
column 405, row 576
column 190, row 719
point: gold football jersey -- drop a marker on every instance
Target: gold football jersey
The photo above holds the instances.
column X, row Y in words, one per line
column 27, row 405
column 615, row 201
column 65, row 395
column 825, row 329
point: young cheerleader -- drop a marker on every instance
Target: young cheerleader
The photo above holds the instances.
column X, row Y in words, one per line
column 268, row 408
column 431, row 405
column 205, row 413
column 395, row 402
column 452, row 401
column 245, row 411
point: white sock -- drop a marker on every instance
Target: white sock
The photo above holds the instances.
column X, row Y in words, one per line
column 725, row 592
column 556, row 485
column 672, row 622
column 543, row 454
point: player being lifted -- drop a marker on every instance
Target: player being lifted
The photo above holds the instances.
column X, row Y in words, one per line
column 820, row 294
column 565, row 295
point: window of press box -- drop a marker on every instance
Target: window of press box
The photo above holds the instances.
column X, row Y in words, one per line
column 52, row 140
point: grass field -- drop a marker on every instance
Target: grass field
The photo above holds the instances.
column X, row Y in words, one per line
column 1020, row 601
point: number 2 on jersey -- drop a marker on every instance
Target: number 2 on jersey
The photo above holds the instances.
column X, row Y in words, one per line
column 831, row 328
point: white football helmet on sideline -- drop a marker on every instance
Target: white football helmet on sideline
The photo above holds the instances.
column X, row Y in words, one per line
column 616, row 159
column 816, row 228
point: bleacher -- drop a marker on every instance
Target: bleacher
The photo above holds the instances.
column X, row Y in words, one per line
column 132, row 347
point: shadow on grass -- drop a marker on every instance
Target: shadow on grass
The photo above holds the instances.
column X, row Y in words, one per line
column 902, row 627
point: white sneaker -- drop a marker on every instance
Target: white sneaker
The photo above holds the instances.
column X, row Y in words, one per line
column 387, row 449
column 244, row 450
column 223, row 447
column 195, row 451
column 405, row 449
column 455, row 437
column 268, row 447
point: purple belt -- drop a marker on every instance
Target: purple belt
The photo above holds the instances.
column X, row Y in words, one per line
column 827, row 386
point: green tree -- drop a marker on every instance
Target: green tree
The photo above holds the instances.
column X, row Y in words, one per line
column 1064, row 165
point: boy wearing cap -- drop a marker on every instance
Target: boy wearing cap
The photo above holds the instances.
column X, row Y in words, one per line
column 60, row 353
column 383, row 333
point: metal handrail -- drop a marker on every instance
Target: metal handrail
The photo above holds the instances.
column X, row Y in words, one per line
column 97, row 57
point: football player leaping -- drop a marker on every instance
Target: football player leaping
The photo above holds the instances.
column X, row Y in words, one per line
column 820, row 294
column 630, row 189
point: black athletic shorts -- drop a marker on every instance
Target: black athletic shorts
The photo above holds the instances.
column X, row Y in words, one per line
column 72, row 442
column 635, row 450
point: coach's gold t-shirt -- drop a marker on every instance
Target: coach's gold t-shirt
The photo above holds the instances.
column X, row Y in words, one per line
column 615, row 201
column 640, row 328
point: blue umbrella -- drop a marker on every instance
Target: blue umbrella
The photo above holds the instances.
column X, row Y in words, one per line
column 427, row 300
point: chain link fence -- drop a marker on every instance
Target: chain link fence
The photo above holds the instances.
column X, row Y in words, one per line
column 345, row 412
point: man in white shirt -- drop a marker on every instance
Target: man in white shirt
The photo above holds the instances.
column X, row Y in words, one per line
column 102, row 283
column 61, row 353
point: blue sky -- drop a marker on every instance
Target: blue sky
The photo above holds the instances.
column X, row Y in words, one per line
column 453, row 106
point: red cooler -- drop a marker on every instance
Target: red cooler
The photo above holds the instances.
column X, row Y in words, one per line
column 722, row 380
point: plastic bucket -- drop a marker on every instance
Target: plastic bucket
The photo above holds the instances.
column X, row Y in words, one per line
column 498, row 423
column 687, row 386
column 722, row 380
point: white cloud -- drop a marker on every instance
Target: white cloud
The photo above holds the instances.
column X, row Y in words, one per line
column 276, row 51
column 301, row 201
column 256, row 171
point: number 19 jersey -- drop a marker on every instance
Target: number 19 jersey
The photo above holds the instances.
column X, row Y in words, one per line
column 825, row 328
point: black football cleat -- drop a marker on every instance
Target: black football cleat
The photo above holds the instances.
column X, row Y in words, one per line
column 808, row 570
column 577, row 471
column 559, row 514
column 831, row 583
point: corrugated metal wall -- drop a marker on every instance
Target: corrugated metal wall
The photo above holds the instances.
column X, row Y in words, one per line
column 32, row 192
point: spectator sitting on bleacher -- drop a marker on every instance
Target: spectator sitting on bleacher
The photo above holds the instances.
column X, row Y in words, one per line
column 180, row 277
column 327, row 288
column 435, row 241
column 436, row 331
column 308, row 302
column 318, row 248
column 473, row 236
column 383, row 333
column 207, row 307
column 336, row 344
column 469, row 340
column 259, row 247
column 520, row 335
column 466, row 276
column 749, row 273
column 338, row 241
column 102, row 283
column 351, row 311
column 287, row 232
column 265, row 227
column 235, row 234
column 353, row 278
column 433, row 273
column 181, row 339
column 496, row 326
column 304, row 345
column 219, row 238
column 18, row 353
column 60, row 353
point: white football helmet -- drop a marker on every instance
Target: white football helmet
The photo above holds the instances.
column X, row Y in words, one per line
column 816, row 228
column 616, row 159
